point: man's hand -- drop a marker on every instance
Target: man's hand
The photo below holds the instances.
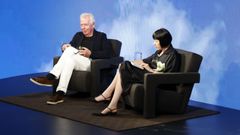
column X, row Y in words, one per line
column 85, row 52
column 64, row 46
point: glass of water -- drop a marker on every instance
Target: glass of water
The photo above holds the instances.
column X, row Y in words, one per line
column 137, row 55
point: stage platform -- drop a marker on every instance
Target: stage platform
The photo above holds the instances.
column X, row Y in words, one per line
column 16, row 120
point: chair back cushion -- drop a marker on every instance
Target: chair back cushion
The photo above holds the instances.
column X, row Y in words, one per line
column 190, row 62
column 116, row 47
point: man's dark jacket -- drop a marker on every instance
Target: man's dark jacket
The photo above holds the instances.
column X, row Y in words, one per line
column 99, row 46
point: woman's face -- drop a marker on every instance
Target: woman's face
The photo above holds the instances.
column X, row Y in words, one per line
column 157, row 44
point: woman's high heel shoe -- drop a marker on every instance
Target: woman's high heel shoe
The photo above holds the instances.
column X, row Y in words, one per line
column 104, row 99
column 110, row 112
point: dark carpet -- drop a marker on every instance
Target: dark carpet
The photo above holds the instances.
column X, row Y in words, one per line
column 81, row 109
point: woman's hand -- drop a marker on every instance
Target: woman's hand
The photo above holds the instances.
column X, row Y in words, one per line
column 144, row 65
column 147, row 67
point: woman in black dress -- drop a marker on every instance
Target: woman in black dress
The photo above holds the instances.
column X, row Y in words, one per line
column 165, row 59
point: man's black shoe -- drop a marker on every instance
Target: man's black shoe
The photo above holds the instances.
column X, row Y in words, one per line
column 43, row 81
column 56, row 99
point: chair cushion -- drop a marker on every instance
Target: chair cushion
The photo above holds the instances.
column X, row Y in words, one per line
column 135, row 97
column 190, row 62
column 116, row 47
column 80, row 81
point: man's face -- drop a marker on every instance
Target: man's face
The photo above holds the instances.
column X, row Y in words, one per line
column 86, row 26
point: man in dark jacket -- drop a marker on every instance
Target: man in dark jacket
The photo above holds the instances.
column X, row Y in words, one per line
column 77, row 55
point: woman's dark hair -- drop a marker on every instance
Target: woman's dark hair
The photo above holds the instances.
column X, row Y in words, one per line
column 163, row 36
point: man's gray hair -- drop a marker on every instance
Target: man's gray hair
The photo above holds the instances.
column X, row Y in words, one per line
column 84, row 15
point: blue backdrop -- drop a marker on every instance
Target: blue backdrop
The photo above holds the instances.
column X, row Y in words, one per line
column 32, row 31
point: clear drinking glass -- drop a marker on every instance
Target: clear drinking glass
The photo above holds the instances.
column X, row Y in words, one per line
column 137, row 55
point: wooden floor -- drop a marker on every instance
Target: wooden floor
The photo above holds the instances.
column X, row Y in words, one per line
column 20, row 121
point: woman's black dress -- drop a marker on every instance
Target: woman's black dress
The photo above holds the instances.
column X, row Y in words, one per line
column 131, row 74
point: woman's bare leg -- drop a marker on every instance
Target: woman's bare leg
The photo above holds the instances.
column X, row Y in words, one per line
column 108, row 92
column 116, row 96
